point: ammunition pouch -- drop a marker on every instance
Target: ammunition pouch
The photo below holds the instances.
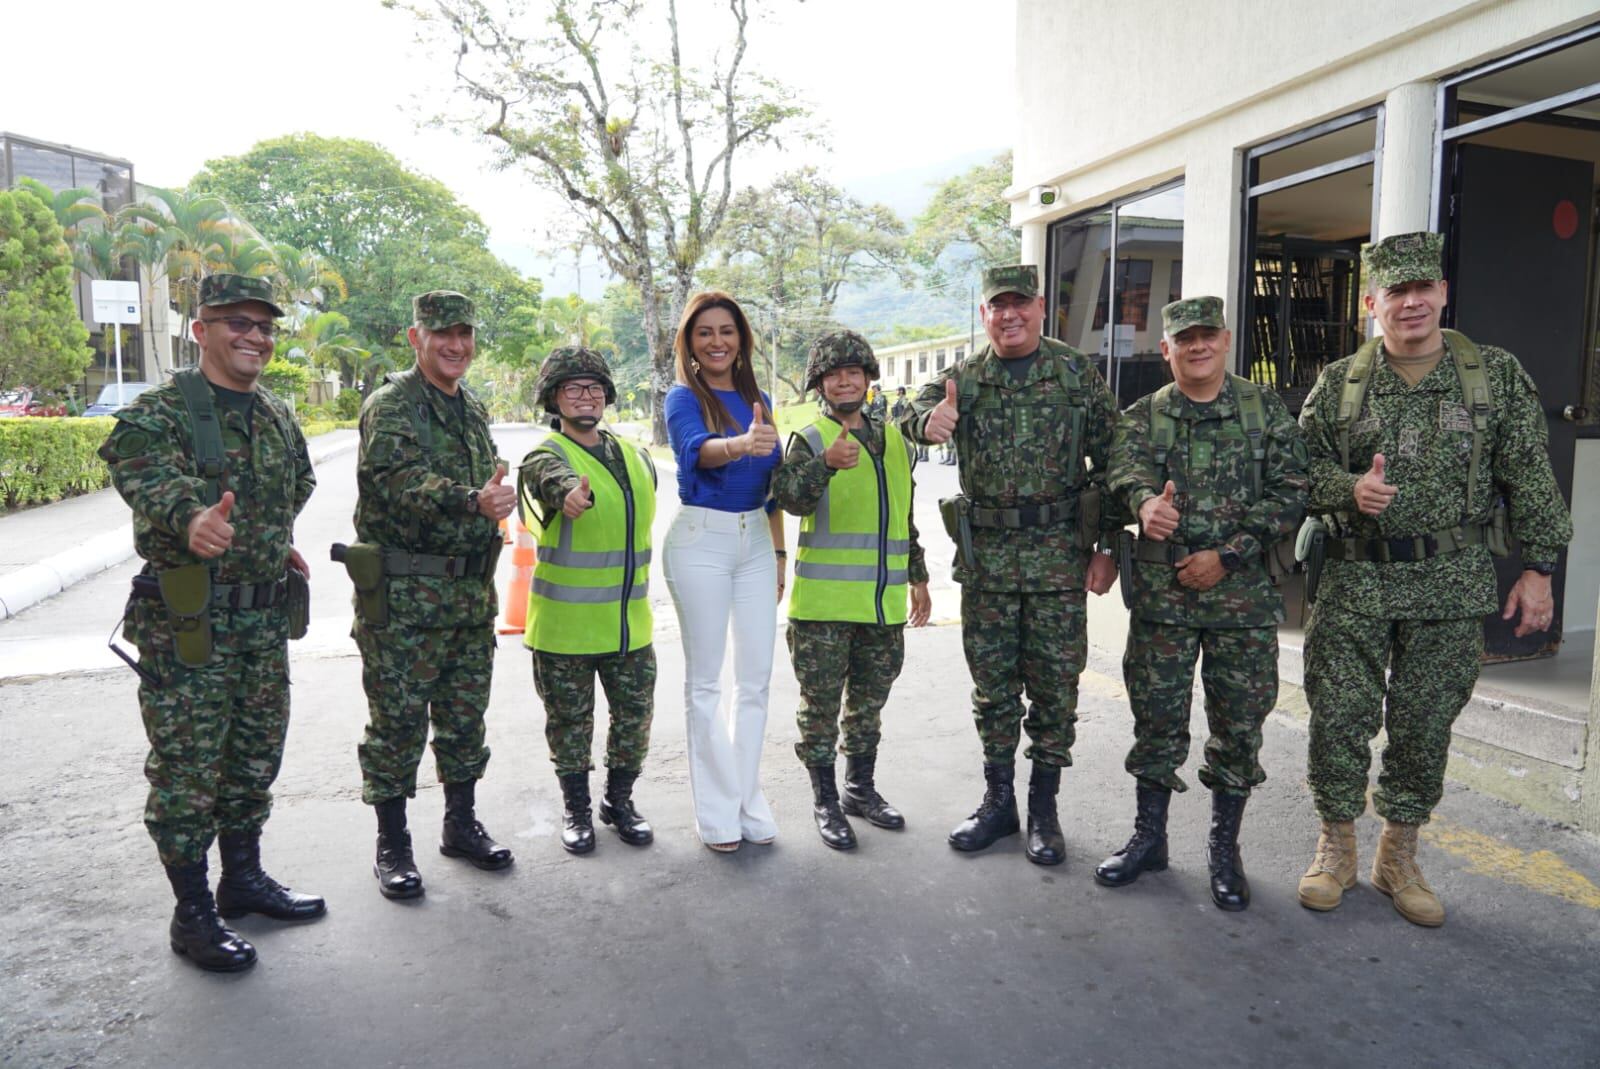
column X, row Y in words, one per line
column 297, row 603
column 1089, row 509
column 1497, row 532
column 1311, row 549
column 1125, row 547
column 956, row 512
column 1280, row 559
column 186, row 593
column 363, row 562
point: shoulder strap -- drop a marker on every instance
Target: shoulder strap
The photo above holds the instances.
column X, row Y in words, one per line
column 1253, row 416
column 1475, row 394
column 1163, row 430
column 1357, row 378
column 204, row 430
column 410, row 384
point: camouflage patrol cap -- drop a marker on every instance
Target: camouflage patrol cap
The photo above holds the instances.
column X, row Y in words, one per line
column 1179, row 316
column 572, row 362
column 225, row 288
column 836, row 349
column 438, row 309
column 1415, row 257
column 1017, row 278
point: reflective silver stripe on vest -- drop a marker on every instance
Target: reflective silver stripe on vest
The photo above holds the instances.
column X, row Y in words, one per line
column 848, row 573
column 586, row 595
column 822, row 536
column 562, row 555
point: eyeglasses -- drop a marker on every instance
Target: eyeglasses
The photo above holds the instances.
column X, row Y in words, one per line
column 577, row 391
column 244, row 325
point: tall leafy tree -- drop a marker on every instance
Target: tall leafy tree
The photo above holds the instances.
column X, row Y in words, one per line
column 193, row 228
column 597, row 101
column 968, row 222
column 42, row 337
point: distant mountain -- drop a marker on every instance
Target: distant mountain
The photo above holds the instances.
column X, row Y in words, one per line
column 908, row 191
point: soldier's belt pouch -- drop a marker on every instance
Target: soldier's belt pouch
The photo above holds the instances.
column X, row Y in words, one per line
column 186, row 592
column 363, row 561
column 950, row 513
column 1088, row 516
column 1497, row 532
column 298, row 604
column 1309, row 530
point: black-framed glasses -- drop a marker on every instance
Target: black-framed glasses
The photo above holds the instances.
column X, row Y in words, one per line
column 577, row 391
column 244, row 325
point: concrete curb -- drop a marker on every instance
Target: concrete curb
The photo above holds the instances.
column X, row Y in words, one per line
column 29, row 585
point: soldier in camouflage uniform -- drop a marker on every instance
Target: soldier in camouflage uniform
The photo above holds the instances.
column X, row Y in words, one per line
column 1407, row 481
column 1026, row 412
column 855, row 566
column 216, row 713
column 430, row 494
column 1184, row 462
column 590, row 493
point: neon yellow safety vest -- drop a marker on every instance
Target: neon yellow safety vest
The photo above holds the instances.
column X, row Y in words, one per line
column 588, row 568
column 855, row 548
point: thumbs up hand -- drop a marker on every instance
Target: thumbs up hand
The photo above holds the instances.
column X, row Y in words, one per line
column 579, row 499
column 1372, row 494
column 941, row 423
column 843, row 453
column 210, row 533
column 1158, row 516
column 762, row 437
column 495, row 499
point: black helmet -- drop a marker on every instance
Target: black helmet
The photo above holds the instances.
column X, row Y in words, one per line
column 572, row 362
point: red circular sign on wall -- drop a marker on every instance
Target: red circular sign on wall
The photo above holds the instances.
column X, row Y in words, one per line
column 1564, row 220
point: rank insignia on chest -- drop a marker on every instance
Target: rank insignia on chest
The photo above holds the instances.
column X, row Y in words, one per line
column 1454, row 417
column 1410, row 442
column 1370, row 425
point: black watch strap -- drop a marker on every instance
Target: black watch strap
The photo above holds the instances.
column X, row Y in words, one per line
column 1545, row 568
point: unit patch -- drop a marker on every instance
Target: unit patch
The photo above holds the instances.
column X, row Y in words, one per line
column 1453, row 416
column 1410, row 442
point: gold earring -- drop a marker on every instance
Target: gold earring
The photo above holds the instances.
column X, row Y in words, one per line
column 694, row 365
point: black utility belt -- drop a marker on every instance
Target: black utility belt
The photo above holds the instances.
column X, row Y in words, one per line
column 1042, row 515
column 401, row 562
column 1148, row 551
column 1417, row 547
column 225, row 595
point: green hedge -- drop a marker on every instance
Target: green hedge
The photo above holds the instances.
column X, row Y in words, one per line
column 314, row 427
column 45, row 459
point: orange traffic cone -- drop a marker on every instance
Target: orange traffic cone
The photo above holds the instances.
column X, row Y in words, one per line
column 505, row 533
column 523, row 554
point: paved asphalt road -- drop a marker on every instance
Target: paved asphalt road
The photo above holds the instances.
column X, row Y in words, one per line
column 900, row 954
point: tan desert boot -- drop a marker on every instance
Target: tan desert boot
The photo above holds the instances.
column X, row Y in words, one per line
column 1395, row 873
column 1333, row 870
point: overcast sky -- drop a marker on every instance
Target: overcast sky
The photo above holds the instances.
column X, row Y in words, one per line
column 901, row 85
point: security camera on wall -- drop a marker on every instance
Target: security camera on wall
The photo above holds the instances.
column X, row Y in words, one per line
column 1043, row 196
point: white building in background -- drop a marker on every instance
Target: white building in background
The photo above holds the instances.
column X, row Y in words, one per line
column 913, row 364
column 1247, row 150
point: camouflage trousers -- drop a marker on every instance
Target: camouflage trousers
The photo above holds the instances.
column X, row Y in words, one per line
column 565, row 683
column 1431, row 666
column 1035, row 641
column 1239, row 674
column 849, row 664
column 216, row 741
column 412, row 675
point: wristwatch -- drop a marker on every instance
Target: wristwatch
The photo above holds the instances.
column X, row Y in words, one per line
column 1231, row 561
column 1544, row 568
column 472, row 502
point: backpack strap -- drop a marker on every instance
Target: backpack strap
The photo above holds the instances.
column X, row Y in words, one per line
column 1357, row 378
column 1163, row 430
column 410, row 383
column 1253, row 416
column 1475, row 393
column 204, row 430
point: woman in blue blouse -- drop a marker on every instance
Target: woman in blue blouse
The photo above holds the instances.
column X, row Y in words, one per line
column 724, row 559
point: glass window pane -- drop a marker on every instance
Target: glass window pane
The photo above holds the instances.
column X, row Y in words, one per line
column 54, row 169
column 1338, row 145
column 1149, row 250
column 1079, row 254
column 1547, row 76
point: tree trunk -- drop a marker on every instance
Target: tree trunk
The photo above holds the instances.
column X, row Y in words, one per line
column 661, row 371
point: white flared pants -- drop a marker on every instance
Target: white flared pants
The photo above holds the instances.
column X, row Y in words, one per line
column 720, row 568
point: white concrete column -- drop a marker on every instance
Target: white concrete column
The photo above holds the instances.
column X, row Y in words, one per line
column 1211, row 209
column 1033, row 244
column 1406, row 186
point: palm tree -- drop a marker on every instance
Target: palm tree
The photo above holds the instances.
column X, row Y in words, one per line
column 306, row 277
column 578, row 321
column 326, row 341
column 72, row 207
column 192, row 227
column 148, row 243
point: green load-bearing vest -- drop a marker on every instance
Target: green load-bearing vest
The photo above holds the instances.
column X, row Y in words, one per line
column 855, row 548
column 589, row 568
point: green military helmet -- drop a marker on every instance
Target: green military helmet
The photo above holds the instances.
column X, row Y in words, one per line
column 572, row 362
column 836, row 349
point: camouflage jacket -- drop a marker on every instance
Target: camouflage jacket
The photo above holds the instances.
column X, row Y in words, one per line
column 1425, row 435
column 413, row 497
column 799, row 482
column 1014, row 451
column 1211, row 465
column 153, row 466
column 546, row 478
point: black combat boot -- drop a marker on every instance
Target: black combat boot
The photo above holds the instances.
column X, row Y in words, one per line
column 1229, row 889
column 245, row 888
column 196, row 931
column 831, row 823
column 996, row 815
column 463, row 835
column 395, row 868
column 1147, row 849
column 616, row 809
column 577, row 823
column 1046, row 845
column 860, row 797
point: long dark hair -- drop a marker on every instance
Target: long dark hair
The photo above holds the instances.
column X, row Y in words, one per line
column 713, row 412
